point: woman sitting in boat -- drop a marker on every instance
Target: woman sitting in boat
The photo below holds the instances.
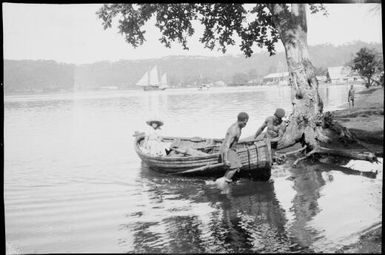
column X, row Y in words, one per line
column 153, row 144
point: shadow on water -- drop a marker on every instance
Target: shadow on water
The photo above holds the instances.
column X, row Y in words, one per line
column 333, row 163
column 306, row 183
column 191, row 216
column 325, row 203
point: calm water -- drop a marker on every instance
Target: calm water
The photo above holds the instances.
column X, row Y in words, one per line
column 73, row 183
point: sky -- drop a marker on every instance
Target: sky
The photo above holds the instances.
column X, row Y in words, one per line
column 72, row 33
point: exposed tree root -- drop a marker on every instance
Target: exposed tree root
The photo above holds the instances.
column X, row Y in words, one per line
column 345, row 136
column 369, row 156
column 281, row 157
column 302, row 158
column 295, row 151
column 316, row 133
column 320, row 136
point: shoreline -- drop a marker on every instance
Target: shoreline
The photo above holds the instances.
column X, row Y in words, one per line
column 366, row 121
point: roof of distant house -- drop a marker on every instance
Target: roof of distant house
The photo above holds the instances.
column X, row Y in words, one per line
column 276, row 75
column 321, row 77
column 338, row 72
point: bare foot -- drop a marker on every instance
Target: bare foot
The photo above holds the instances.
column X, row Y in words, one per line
column 223, row 184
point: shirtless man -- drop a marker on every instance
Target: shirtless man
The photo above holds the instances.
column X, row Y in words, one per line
column 275, row 126
column 228, row 154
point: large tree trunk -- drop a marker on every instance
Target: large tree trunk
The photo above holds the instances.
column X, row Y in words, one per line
column 307, row 104
column 307, row 123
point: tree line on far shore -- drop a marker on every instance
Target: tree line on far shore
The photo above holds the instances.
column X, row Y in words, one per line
column 37, row 76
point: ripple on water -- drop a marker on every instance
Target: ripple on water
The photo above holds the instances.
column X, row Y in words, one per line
column 76, row 184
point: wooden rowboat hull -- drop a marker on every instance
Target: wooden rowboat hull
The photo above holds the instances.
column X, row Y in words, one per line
column 255, row 157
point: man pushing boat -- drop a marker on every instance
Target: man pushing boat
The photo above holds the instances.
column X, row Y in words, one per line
column 228, row 154
column 275, row 126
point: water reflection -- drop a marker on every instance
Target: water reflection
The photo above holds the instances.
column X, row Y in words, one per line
column 252, row 219
column 306, row 183
column 330, row 205
column 188, row 215
column 78, row 150
column 249, row 219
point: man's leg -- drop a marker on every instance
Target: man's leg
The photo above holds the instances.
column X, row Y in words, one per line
column 230, row 173
column 223, row 183
column 235, row 165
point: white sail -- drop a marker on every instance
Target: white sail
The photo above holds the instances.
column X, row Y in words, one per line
column 150, row 80
column 144, row 80
column 154, row 78
column 163, row 81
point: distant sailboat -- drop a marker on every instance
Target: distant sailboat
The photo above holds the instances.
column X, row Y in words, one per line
column 150, row 80
column 163, row 82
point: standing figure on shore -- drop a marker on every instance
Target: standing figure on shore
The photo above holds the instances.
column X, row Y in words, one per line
column 228, row 154
column 351, row 96
column 275, row 126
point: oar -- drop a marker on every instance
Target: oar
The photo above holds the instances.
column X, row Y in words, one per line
column 202, row 168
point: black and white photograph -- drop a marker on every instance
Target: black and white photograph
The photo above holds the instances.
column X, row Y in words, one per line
column 179, row 128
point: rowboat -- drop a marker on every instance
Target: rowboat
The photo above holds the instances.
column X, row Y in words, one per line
column 255, row 156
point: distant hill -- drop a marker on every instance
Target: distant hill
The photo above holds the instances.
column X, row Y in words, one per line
column 29, row 76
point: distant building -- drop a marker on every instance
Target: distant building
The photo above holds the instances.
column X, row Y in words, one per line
column 109, row 88
column 220, row 84
column 321, row 78
column 277, row 78
column 254, row 82
column 342, row 74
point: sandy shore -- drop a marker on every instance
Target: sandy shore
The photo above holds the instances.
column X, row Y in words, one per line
column 366, row 121
column 369, row 242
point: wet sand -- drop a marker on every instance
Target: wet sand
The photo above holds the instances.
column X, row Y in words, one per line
column 366, row 121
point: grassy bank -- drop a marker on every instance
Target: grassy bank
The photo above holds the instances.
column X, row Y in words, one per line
column 366, row 119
